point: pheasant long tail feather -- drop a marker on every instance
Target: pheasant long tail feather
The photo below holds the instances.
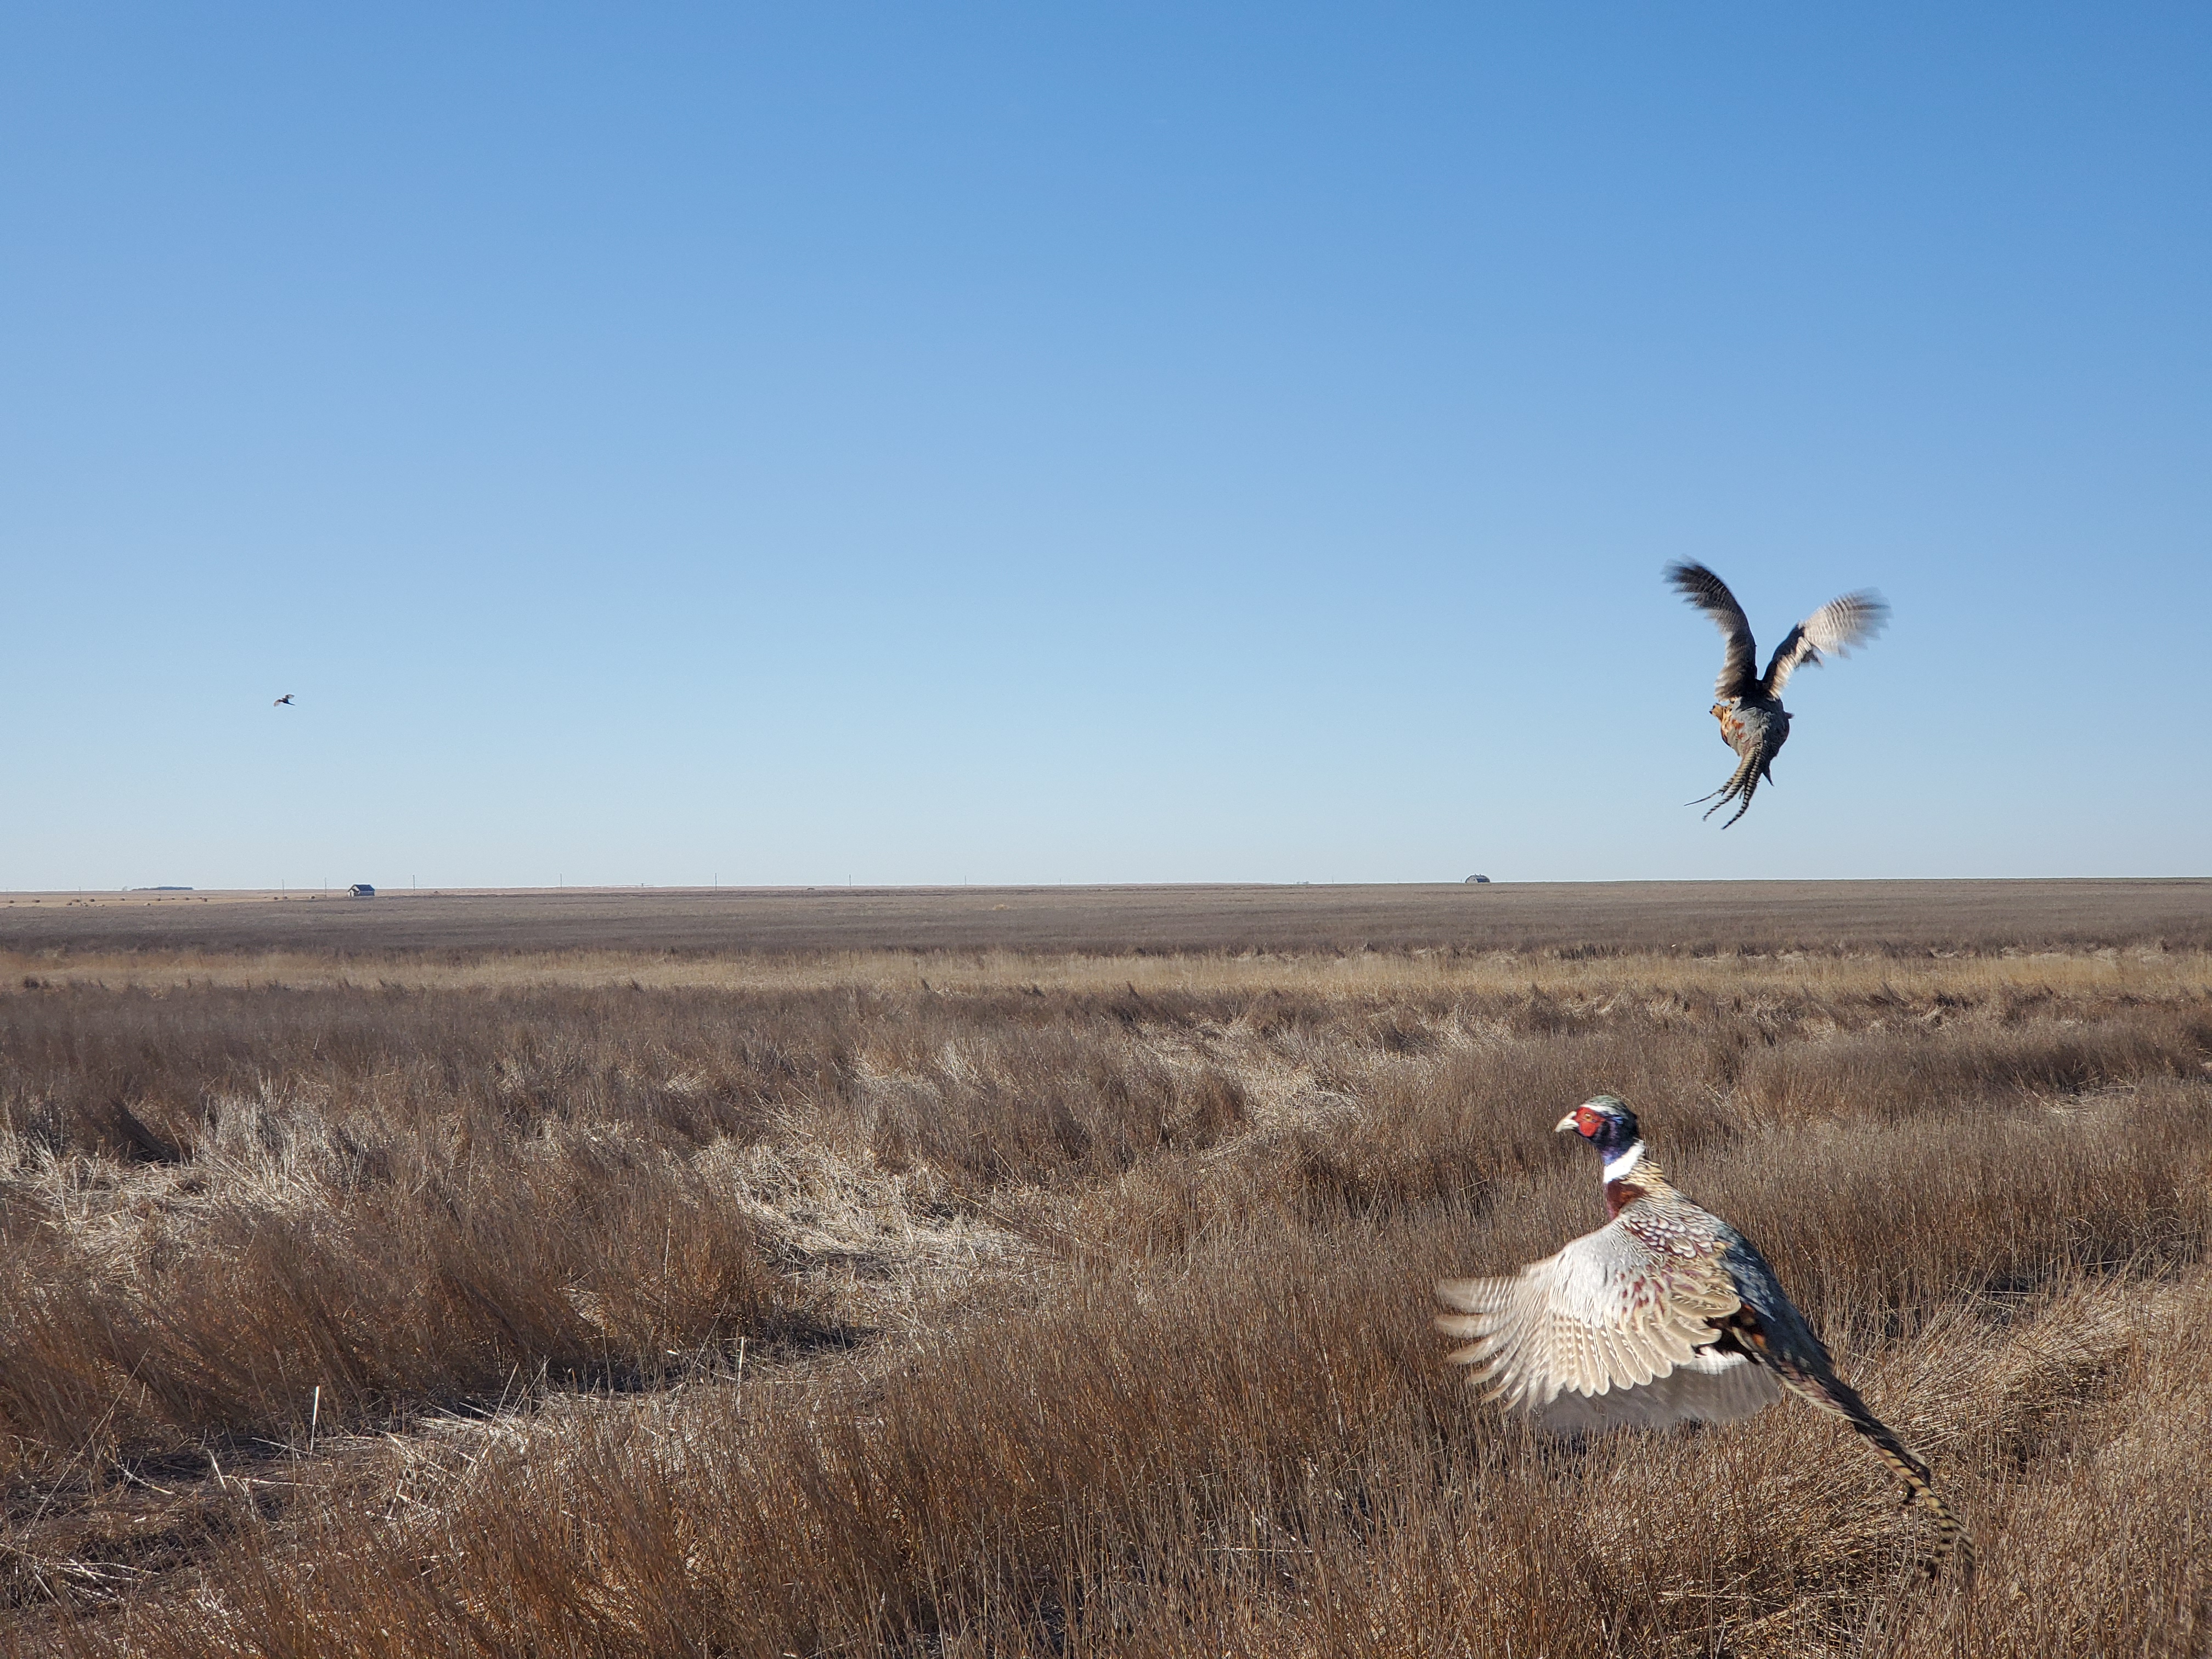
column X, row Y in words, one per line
column 1750, row 788
column 1920, row 1487
column 1831, row 1393
column 1742, row 782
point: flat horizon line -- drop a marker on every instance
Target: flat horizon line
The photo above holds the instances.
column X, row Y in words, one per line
column 185, row 895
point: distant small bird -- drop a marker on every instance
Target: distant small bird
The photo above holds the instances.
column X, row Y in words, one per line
column 1753, row 721
column 1665, row 1315
column 283, row 700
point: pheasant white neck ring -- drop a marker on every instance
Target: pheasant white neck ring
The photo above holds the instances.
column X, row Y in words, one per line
column 1621, row 1164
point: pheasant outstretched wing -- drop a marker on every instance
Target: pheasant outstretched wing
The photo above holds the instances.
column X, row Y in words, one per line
column 1738, row 676
column 1836, row 626
column 1711, row 1387
column 1608, row 1313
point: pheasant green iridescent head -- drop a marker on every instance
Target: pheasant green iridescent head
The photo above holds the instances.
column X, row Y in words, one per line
column 1606, row 1123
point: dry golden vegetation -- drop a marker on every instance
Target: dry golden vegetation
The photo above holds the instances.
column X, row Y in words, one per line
column 1007, row 1303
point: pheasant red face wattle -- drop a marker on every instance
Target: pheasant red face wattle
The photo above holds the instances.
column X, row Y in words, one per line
column 1606, row 1123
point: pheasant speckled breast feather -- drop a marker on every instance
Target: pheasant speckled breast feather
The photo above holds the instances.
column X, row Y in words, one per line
column 1665, row 1315
column 1753, row 722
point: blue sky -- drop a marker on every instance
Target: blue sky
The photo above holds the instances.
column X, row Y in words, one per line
column 1076, row 443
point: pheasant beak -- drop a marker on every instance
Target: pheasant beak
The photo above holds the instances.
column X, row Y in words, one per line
column 1566, row 1123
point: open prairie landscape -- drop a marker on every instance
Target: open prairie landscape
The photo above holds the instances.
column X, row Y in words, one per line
column 1028, row 1272
column 1677, row 917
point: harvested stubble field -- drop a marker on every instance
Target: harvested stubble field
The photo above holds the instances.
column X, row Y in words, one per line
column 1675, row 917
column 613, row 1301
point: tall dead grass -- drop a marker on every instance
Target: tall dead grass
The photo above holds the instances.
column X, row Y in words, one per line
column 1013, row 1318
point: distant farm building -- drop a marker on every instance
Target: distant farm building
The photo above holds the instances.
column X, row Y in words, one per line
column 360, row 890
column 1485, row 880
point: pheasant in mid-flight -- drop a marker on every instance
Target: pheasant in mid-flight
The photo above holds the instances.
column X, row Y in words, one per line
column 285, row 700
column 1665, row 1315
column 1753, row 721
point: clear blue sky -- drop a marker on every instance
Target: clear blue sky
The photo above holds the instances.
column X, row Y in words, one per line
column 1085, row 442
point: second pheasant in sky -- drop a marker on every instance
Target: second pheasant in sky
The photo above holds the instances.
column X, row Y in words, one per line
column 1753, row 721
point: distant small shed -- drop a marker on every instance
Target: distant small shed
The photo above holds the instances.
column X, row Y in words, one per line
column 1485, row 880
column 360, row 890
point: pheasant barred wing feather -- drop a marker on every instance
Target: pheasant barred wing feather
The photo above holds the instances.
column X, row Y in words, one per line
column 1835, row 626
column 1608, row 1313
column 1739, row 675
column 1707, row 1387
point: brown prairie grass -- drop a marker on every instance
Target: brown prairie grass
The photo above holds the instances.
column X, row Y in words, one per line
column 1066, row 1305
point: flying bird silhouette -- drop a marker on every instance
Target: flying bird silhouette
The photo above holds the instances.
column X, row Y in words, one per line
column 1664, row 1314
column 284, row 699
column 1753, row 721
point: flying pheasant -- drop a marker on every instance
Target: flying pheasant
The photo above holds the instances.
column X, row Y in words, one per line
column 1753, row 721
column 1665, row 1315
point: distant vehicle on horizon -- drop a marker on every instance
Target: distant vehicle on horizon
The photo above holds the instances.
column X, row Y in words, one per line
column 1471, row 880
column 360, row 890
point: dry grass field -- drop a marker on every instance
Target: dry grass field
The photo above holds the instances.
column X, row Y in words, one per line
column 567, row 1295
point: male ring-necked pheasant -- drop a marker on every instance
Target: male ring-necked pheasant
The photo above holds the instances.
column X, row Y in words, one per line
column 1664, row 1314
column 1753, row 721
